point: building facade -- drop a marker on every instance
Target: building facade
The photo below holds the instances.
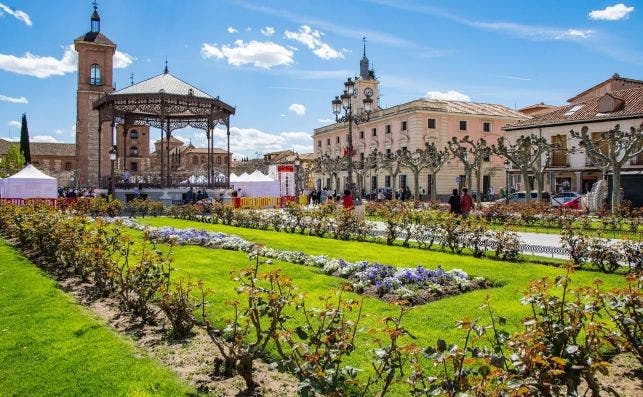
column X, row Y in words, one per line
column 599, row 112
column 54, row 159
column 411, row 126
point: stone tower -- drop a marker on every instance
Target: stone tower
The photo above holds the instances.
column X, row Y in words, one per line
column 95, row 67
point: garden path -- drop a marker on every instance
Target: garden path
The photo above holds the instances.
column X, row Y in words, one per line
column 540, row 244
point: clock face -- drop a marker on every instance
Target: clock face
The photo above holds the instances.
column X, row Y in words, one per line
column 355, row 93
column 368, row 91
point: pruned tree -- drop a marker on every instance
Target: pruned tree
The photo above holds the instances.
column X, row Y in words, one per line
column 428, row 158
column 612, row 150
column 331, row 167
column 12, row 161
column 362, row 167
column 523, row 154
column 471, row 154
column 24, row 140
column 390, row 162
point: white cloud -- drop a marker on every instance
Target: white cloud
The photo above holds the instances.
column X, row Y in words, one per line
column 325, row 121
column 122, row 60
column 311, row 38
column 4, row 98
column 611, row 13
column 268, row 31
column 59, row 132
column 45, row 66
column 41, row 67
column 298, row 109
column 447, row 96
column 232, row 30
column 44, row 138
column 14, row 123
column 260, row 54
column 18, row 14
column 248, row 141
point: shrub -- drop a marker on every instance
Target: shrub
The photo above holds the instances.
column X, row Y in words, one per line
column 604, row 256
column 179, row 306
column 576, row 244
column 507, row 245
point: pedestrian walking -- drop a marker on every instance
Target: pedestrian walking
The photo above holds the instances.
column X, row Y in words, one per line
column 466, row 202
column 454, row 202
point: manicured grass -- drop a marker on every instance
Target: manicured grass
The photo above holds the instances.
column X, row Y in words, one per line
column 51, row 346
column 428, row 322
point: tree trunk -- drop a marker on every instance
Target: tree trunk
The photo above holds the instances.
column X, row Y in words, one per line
column 416, row 184
column 393, row 186
column 468, row 179
column 616, row 187
column 478, row 181
column 434, row 188
column 525, row 183
column 540, row 182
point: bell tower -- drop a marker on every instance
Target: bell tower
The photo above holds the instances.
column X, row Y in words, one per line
column 366, row 84
column 95, row 67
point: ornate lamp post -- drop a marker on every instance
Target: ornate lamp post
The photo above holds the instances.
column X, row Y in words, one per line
column 112, row 159
column 297, row 164
column 350, row 118
column 507, row 181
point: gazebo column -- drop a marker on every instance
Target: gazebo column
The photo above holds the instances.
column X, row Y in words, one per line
column 161, row 181
column 125, row 144
column 208, row 134
column 168, row 134
column 228, row 157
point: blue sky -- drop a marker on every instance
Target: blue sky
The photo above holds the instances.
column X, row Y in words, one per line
column 281, row 62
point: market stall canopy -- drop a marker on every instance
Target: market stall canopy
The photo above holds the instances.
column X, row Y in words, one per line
column 29, row 182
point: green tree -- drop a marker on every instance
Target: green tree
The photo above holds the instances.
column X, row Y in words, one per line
column 12, row 161
column 612, row 150
column 472, row 155
column 430, row 158
column 24, row 140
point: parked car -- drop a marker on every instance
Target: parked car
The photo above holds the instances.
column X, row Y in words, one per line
column 562, row 198
column 574, row 203
column 521, row 197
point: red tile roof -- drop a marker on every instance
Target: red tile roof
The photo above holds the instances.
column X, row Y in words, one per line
column 587, row 111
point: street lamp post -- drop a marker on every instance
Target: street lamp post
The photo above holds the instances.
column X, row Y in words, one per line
column 507, row 181
column 297, row 164
column 344, row 101
column 112, row 159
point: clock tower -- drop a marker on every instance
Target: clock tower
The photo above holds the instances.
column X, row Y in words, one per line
column 95, row 67
column 366, row 85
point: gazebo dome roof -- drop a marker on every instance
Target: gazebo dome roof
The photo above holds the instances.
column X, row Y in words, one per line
column 164, row 82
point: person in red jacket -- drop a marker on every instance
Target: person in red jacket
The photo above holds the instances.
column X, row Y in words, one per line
column 466, row 202
column 347, row 201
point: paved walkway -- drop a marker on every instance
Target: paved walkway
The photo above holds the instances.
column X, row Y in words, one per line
column 540, row 244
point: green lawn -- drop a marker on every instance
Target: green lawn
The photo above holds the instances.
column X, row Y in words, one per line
column 428, row 322
column 51, row 346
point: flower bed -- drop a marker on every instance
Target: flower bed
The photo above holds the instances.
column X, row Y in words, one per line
column 415, row 285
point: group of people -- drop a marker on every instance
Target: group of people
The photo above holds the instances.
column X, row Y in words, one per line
column 461, row 204
column 192, row 197
column 70, row 192
column 322, row 196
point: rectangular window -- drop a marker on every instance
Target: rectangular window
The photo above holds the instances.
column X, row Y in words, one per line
column 387, row 181
column 431, row 123
column 68, row 166
column 486, row 127
column 403, row 181
column 388, row 129
column 318, row 143
column 361, row 135
column 361, row 157
column 374, row 132
column 404, row 126
column 133, row 167
column 463, row 125
column 337, row 139
column 328, row 141
column 388, row 151
column 374, row 183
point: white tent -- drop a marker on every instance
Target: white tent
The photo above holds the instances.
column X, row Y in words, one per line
column 29, row 183
column 256, row 185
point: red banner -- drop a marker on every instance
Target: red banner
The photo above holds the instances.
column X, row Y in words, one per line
column 285, row 168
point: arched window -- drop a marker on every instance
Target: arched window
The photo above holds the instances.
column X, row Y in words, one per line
column 133, row 151
column 94, row 75
column 133, row 134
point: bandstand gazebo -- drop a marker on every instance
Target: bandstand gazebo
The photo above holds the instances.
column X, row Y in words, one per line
column 167, row 103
